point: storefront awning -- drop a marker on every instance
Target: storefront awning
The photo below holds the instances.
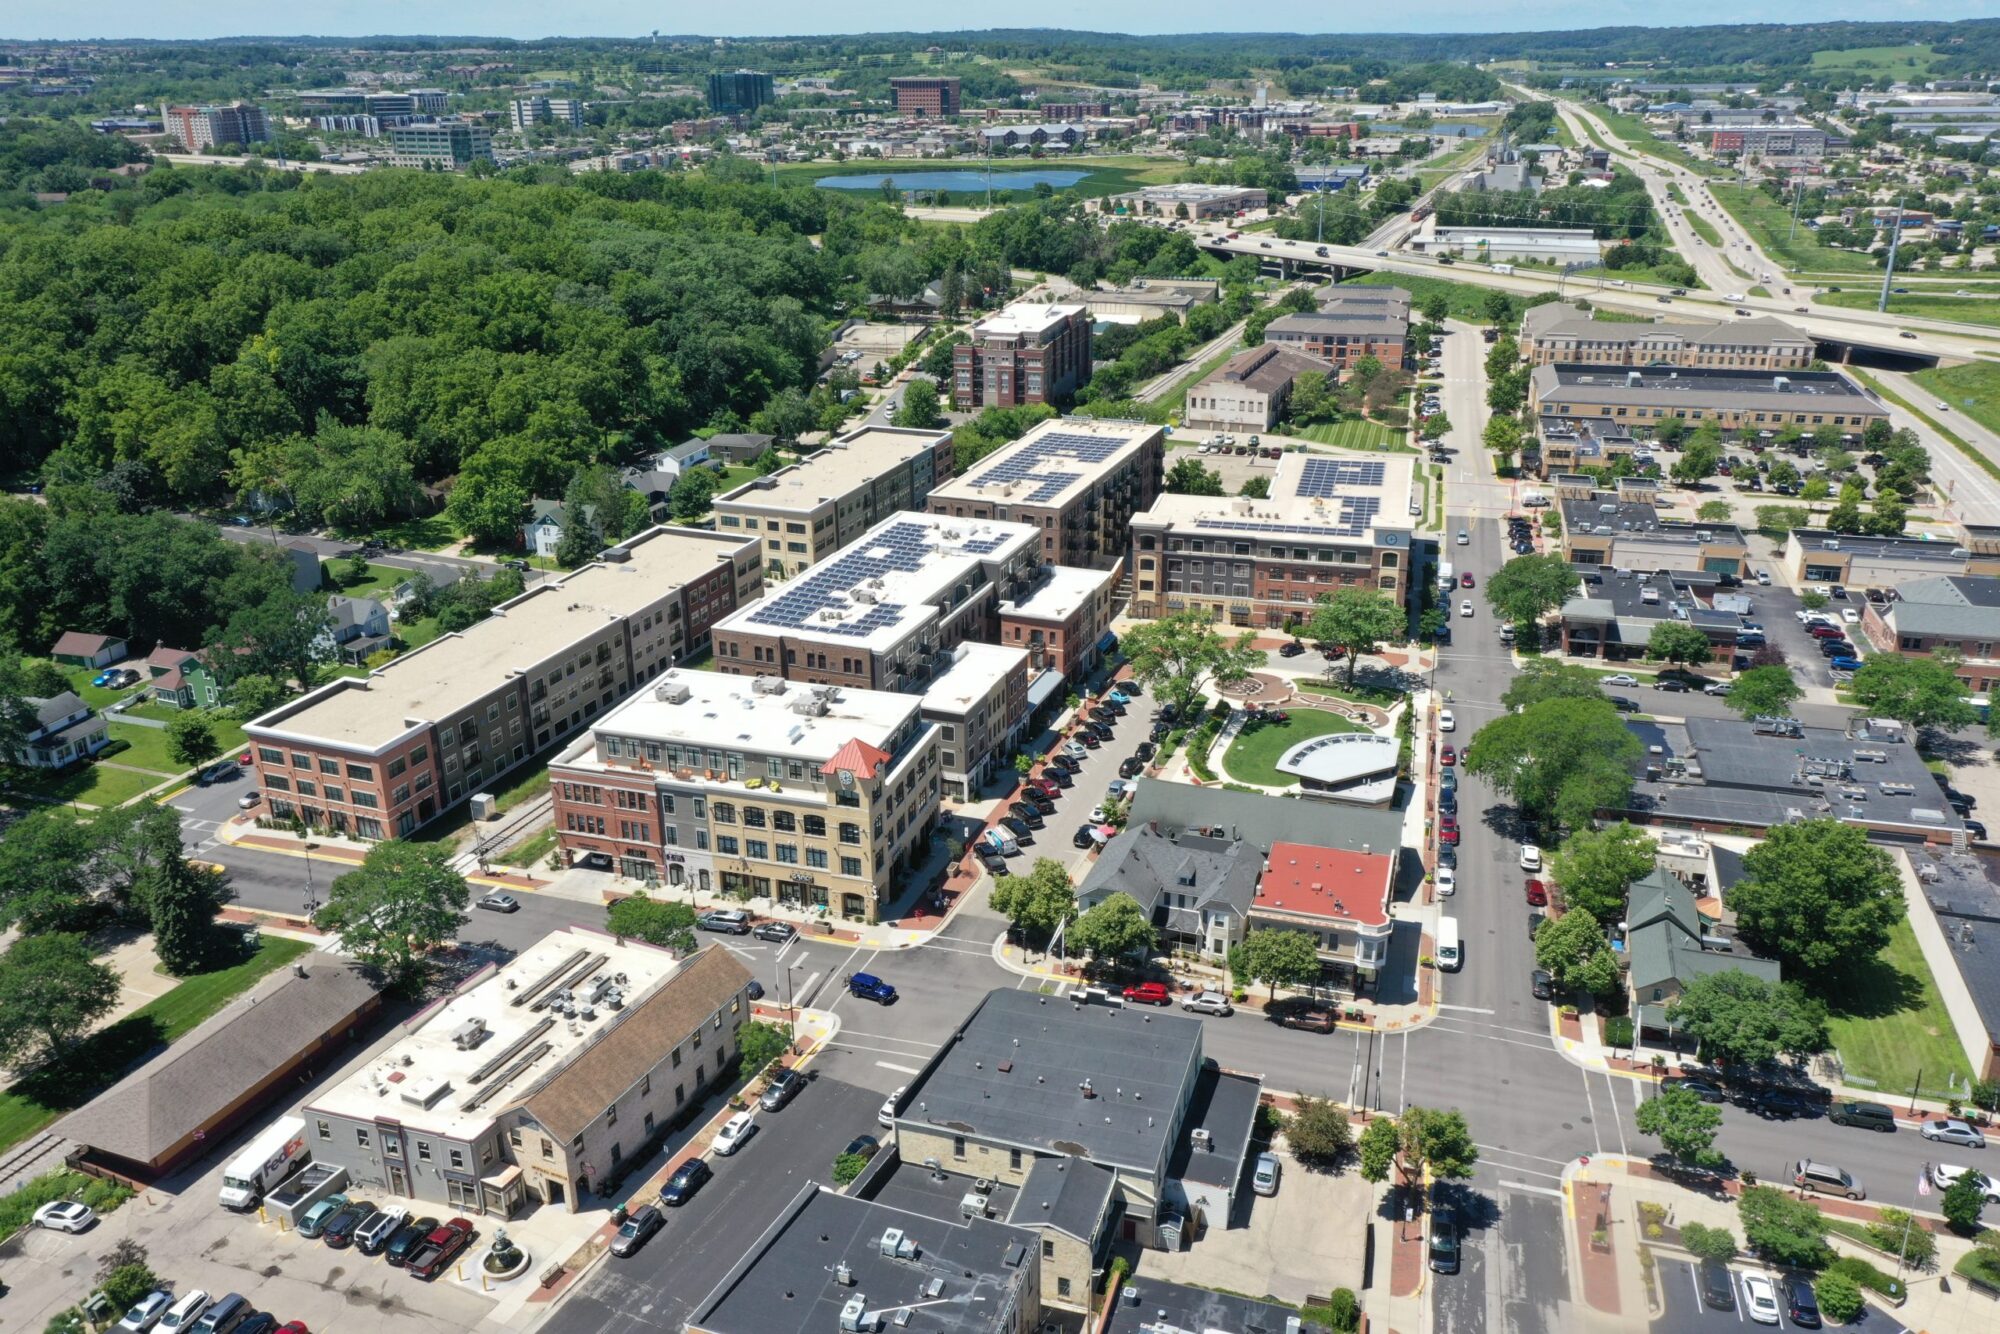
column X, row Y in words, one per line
column 1043, row 688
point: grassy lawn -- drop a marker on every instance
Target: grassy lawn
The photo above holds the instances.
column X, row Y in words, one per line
column 531, row 851
column 1354, row 433
column 1253, row 756
column 149, row 744
column 1638, row 136
column 415, row 534
column 1929, row 417
column 1966, row 309
column 532, row 783
column 92, row 784
column 1898, row 62
column 380, row 581
column 1703, row 228
column 1891, row 1025
column 1973, row 389
column 105, row 1057
column 1770, row 223
column 1641, row 273
column 97, row 697
column 1467, row 302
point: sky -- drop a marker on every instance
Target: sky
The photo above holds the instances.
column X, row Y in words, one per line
column 616, row 18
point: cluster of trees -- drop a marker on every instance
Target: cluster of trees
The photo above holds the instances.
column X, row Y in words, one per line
column 1621, row 211
column 1177, row 656
column 1657, row 256
column 1370, row 388
column 1054, row 234
column 402, row 903
column 1561, row 758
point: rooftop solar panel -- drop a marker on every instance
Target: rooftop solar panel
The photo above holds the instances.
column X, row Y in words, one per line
column 897, row 549
column 1038, row 460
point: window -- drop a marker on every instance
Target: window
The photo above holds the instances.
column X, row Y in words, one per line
column 458, row 1159
column 958, row 1146
column 327, row 766
column 1048, row 1246
column 815, row 826
column 514, row 1137
column 816, row 858
column 1062, row 1287
column 325, row 1130
column 611, row 1115
column 548, row 1148
column 726, row 845
column 850, row 866
column 361, row 1136
column 423, row 1150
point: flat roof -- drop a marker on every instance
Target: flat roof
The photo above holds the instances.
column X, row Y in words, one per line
column 1225, row 1105
column 1017, row 1070
column 427, row 1078
column 1330, row 883
column 1341, row 318
column 1053, row 464
column 1059, row 594
column 974, row 671
column 1799, row 391
column 767, row 715
column 1962, row 890
column 882, row 585
column 1340, row 758
column 1192, row 193
column 1150, row 1305
column 1023, row 319
column 1607, row 514
column 1816, row 540
column 843, row 466
column 1352, row 497
column 430, row 684
column 1556, row 319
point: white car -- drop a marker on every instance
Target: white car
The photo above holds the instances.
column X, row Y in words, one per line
column 1265, row 1179
column 1098, row 815
column 1764, row 578
column 1943, row 1174
column 146, row 1313
column 1465, row 607
column 248, row 799
column 1760, row 1299
column 1531, row 857
column 1446, row 722
column 887, row 1116
column 1850, row 616
column 1621, row 679
column 1447, row 881
column 734, row 1132
column 1464, row 538
column 65, row 1216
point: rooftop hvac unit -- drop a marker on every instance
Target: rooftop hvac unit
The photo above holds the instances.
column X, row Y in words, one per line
column 854, row 1315
column 469, row 1034
column 672, row 692
column 1202, row 1138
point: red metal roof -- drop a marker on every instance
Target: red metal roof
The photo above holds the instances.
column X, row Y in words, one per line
column 857, row 757
column 1329, row 883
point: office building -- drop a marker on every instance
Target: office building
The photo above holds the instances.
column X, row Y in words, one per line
column 1820, row 557
column 806, row 796
column 1555, row 244
column 1078, row 479
column 524, row 113
column 1339, row 898
column 739, row 92
column 1769, row 141
column 806, row 511
column 1953, row 614
column 200, row 128
column 885, row 612
column 1328, row 523
column 1558, row 334
column 535, row 1079
column 449, row 143
column 1023, row 354
column 926, row 96
column 377, row 756
column 1735, row 400
column 1192, row 201
column 1614, row 611
column 1249, row 391
column 1062, row 619
column 979, row 704
column 1603, row 529
column 1340, row 337
column 1075, row 111
column 1149, row 1305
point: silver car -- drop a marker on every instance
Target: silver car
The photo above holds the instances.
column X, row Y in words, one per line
column 1265, row 1180
column 1953, row 1131
column 1208, row 1002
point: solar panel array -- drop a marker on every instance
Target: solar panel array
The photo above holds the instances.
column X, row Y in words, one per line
column 1026, row 463
column 1357, row 514
column 1324, row 479
column 897, row 549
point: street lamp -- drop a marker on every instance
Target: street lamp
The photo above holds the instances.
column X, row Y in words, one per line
column 792, row 1009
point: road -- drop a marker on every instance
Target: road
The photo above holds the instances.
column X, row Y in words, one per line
column 442, row 568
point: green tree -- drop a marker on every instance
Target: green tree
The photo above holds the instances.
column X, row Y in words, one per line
column 1038, row 902
column 1499, row 308
column 1189, row 478
column 1504, row 436
column 1596, row 868
column 1920, row 692
column 920, row 410
column 128, row 1284
column 1764, row 692
column 1435, row 426
column 1257, row 488
column 400, row 904
column 761, row 1043
column 1276, row 958
column 182, row 899
column 1357, row 620
column 1679, row 642
column 1740, row 1019
column 1379, row 1144
column 668, row 925
column 191, row 738
column 1963, row 1201
column 1528, row 588
column 1714, row 511
column 1434, row 306
column 1699, row 459
column 692, row 495
column 1318, row 1134
column 1685, row 1125
column 1113, row 929
column 1437, row 1140
column 1176, row 656
column 1561, row 759
column 1548, row 678
column 282, row 635
column 1839, row 1296
column 51, row 993
column 1566, row 945
column 1709, row 1243
column 1818, row 896
column 1781, row 1229
column 44, row 872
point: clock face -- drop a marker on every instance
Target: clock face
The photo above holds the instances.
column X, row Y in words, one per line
column 847, row 778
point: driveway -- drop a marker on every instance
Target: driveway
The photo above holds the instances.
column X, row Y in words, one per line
column 1309, row 1238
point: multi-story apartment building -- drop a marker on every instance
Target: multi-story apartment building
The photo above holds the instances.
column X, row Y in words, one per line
column 1557, row 334
column 1804, row 141
column 1074, row 111
column 979, row 705
column 1062, row 620
column 524, row 113
column 1023, row 354
column 450, row 143
column 805, row 512
column 1249, row 391
column 1328, row 523
column 533, row 1081
column 808, row 796
column 376, row 756
column 926, row 96
column 1078, row 479
column 1341, row 336
column 203, row 127
column 1589, row 397
column 738, row 92
column 885, row 612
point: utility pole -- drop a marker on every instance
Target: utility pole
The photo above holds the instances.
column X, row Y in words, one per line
column 1889, row 269
column 1798, row 193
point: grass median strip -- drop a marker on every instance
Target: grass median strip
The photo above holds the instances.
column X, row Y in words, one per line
column 1958, row 441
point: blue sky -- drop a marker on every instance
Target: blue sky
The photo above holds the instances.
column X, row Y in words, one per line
column 518, row 18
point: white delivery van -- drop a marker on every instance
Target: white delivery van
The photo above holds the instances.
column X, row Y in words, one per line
column 264, row 1163
column 1503, row 268
column 1446, row 579
column 1450, row 954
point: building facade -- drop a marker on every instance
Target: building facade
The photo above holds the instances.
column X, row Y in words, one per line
column 1061, row 620
column 1735, row 400
column 1024, row 354
column 64, row 730
column 449, row 143
column 1339, row 338
column 1339, row 898
column 739, row 92
column 1078, row 479
column 979, row 704
column 524, row 113
column 926, row 96
column 755, row 787
column 1250, row 390
column 1557, row 334
column 806, row 511
column 199, row 128
column 1958, row 615
column 378, row 756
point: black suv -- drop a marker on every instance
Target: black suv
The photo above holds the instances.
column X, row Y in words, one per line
column 688, row 1178
column 1865, row 1115
column 1027, row 813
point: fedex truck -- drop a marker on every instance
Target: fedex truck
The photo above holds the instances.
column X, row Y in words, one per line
column 265, row 1162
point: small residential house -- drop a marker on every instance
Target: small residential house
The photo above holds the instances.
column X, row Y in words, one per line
column 1669, row 943
column 732, row 447
column 1197, row 889
column 1340, row 898
column 65, row 730
column 306, row 573
column 181, row 680
column 544, row 528
column 357, row 626
column 77, row 649
column 655, row 481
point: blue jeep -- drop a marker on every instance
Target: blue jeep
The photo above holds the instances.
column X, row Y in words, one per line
column 870, row 987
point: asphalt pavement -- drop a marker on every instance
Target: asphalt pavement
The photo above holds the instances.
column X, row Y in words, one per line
column 1685, row 1311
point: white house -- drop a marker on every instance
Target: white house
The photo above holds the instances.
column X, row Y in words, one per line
column 65, row 730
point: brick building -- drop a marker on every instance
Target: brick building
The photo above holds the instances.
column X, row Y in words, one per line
column 1556, row 333
column 1023, row 354
column 1061, row 620
column 926, row 96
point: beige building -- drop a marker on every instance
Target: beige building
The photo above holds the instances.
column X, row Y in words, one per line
column 1589, row 397
column 1558, row 334
column 1818, row 556
column 805, row 512
column 1328, row 523
column 1604, row 529
column 1078, row 479
column 795, row 795
column 1250, row 391
column 979, row 705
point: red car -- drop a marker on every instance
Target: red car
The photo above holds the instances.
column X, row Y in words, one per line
column 1538, row 894
column 439, row 1249
column 1448, row 757
column 1465, row 580
column 1448, row 829
column 1148, row 993
column 1823, row 632
column 1048, row 785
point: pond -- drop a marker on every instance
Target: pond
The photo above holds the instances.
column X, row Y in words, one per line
column 970, row 181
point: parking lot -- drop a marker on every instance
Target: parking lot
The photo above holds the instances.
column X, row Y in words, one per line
column 1685, row 1311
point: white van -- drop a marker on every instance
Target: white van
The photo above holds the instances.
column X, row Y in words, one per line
column 1503, row 268
column 1449, row 953
column 1446, row 578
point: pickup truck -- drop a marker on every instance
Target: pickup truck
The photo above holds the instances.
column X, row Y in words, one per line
column 437, row 1250
column 870, row 987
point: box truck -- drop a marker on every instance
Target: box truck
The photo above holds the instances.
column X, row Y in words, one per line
column 265, row 1162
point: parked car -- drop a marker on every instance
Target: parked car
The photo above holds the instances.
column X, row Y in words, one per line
column 1448, row 757
column 146, row 1312
column 1864, row 1115
column 1208, row 1002
column 1620, row 679
column 1446, row 878
column 1701, row 1088
column 1801, row 1302
column 1541, row 984
column 784, row 1085
column 440, row 1248
column 1148, row 993
column 1292, row 649
column 1447, row 721
column 1951, row 1130
column 1448, row 828
column 377, row 1229
column 320, row 1215
column 1538, row 894
column 729, row 921
column 1944, row 1174
column 1673, row 685
column 1718, row 1286
column 1531, row 857
column 406, row 1239
column 1264, row 1179
column 1827, row 1179
column 499, row 903
column 633, row 1232
column 1059, row 775
column 65, row 1216
column 1018, row 827
column 779, row 932
column 994, row 863
column 1131, row 767
column 1444, row 1240
column 686, row 1182
column 340, row 1229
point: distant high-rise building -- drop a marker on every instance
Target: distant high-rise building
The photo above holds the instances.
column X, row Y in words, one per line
column 926, row 96
column 527, row 111
column 449, row 144
column 198, row 128
column 741, row 91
